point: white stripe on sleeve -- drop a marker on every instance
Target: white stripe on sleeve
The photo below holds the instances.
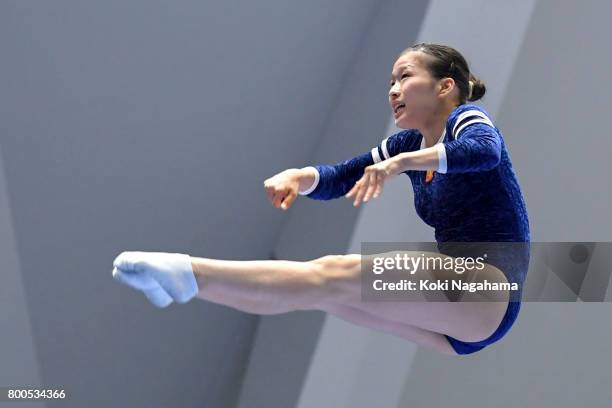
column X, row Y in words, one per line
column 441, row 157
column 477, row 120
column 383, row 146
column 467, row 114
column 375, row 155
column 314, row 184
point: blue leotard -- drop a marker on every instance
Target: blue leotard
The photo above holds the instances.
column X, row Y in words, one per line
column 473, row 197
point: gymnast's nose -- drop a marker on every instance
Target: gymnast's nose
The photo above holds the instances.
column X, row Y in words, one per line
column 393, row 92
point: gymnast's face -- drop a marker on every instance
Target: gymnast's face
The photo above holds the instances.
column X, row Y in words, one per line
column 413, row 86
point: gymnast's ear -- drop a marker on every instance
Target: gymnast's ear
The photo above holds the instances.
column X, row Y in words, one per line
column 446, row 86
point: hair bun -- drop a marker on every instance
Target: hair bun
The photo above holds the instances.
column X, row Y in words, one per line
column 477, row 89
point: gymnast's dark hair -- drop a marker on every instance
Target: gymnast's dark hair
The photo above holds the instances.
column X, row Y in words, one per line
column 447, row 62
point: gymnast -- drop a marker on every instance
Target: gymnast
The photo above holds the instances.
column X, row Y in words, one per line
column 464, row 186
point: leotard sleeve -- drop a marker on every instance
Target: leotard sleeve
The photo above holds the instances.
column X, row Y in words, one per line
column 333, row 181
column 475, row 144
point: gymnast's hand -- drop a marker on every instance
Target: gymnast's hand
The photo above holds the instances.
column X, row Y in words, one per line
column 282, row 189
column 163, row 277
column 370, row 185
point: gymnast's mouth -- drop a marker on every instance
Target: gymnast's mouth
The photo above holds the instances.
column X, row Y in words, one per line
column 398, row 107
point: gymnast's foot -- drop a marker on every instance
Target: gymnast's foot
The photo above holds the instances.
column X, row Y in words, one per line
column 163, row 277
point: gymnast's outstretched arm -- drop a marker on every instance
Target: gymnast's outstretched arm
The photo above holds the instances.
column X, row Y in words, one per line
column 326, row 182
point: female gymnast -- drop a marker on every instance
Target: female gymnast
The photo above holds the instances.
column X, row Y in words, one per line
column 464, row 186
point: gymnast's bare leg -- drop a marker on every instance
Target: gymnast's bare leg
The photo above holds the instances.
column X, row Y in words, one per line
column 431, row 340
column 332, row 284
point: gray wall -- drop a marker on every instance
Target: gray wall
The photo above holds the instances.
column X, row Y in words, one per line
column 145, row 125
column 17, row 352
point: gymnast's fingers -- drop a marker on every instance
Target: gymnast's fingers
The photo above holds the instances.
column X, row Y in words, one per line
column 379, row 188
column 374, row 180
column 354, row 189
column 278, row 198
column 362, row 189
column 288, row 201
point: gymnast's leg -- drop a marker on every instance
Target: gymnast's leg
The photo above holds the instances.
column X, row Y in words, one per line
column 261, row 287
column 270, row 287
column 422, row 337
column 474, row 318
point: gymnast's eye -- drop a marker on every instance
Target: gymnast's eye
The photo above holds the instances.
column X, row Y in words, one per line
column 402, row 77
